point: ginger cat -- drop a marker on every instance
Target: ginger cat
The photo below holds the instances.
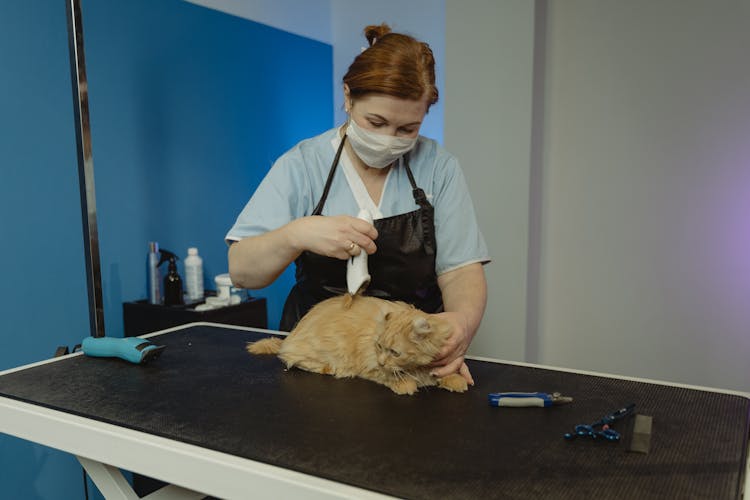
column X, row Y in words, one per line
column 388, row 342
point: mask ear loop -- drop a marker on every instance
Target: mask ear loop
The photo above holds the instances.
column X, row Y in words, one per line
column 348, row 111
column 348, row 100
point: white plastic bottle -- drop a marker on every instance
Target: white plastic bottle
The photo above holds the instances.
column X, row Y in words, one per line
column 194, row 275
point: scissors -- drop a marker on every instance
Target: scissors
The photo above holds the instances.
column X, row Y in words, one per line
column 602, row 429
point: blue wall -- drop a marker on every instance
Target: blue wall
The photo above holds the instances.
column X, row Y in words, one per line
column 43, row 300
column 189, row 108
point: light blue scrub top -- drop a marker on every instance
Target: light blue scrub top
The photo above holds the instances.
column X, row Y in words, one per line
column 295, row 183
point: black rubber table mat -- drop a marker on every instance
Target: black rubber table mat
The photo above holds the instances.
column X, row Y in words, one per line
column 206, row 390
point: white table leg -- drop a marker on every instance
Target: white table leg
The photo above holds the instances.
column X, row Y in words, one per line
column 113, row 485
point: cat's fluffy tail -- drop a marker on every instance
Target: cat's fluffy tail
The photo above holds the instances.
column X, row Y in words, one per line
column 270, row 345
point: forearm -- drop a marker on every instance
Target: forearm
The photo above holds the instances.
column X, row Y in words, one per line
column 255, row 262
column 465, row 292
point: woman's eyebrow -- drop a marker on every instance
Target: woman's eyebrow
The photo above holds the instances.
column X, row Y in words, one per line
column 383, row 118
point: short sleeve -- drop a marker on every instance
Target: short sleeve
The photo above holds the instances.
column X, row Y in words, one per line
column 459, row 239
column 282, row 196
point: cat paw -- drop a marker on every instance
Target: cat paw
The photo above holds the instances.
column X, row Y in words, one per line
column 454, row 383
column 404, row 387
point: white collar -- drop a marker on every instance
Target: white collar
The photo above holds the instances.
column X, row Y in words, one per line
column 359, row 191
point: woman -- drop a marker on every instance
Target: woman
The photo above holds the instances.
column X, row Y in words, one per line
column 424, row 247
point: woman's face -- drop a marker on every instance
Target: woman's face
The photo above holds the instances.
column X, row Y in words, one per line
column 387, row 115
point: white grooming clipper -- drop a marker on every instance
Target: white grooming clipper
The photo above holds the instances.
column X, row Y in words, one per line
column 357, row 275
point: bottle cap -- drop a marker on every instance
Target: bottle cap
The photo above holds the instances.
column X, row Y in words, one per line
column 192, row 251
column 223, row 280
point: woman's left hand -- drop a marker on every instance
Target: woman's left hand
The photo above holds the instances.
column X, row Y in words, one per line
column 450, row 359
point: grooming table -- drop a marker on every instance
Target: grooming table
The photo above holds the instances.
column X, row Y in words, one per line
column 210, row 419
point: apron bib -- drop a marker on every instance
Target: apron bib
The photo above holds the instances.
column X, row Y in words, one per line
column 403, row 267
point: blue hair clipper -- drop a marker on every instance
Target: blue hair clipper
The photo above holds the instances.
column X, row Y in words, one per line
column 133, row 349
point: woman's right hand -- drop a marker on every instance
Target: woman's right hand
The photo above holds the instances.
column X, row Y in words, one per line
column 333, row 236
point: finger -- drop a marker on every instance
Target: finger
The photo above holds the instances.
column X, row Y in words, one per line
column 446, row 370
column 352, row 248
column 364, row 242
column 344, row 250
column 363, row 234
column 365, row 228
column 440, row 361
column 448, row 352
column 465, row 373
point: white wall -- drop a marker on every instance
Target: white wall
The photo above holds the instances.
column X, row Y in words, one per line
column 488, row 104
column 646, row 218
column 642, row 191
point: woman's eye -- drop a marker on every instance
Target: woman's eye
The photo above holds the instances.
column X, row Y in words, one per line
column 377, row 124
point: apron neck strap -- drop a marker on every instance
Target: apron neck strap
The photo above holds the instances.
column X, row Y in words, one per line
column 319, row 208
column 419, row 197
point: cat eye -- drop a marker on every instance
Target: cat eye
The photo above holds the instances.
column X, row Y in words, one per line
column 393, row 353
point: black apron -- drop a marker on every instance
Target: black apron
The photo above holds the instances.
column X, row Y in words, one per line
column 403, row 267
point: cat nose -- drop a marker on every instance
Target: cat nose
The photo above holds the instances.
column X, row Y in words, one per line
column 381, row 360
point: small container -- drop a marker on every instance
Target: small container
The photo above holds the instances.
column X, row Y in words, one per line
column 226, row 292
column 223, row 287
column 194, row 275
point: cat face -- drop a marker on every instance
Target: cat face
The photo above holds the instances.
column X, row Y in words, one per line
column 410, row 339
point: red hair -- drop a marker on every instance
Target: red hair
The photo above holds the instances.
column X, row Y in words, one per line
column 395, row 64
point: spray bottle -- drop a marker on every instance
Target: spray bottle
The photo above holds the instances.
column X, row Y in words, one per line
column 172, row 281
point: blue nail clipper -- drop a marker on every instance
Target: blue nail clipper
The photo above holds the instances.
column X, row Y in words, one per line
column 133, row 349
column 522, row 399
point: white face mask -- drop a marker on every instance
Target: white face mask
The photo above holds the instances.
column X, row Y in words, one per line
column 377, row 150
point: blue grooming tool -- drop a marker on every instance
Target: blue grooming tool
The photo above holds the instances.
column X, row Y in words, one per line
column 133, row 349
column 601, row 429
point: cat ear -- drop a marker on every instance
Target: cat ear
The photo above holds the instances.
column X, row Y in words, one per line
column 421, row 328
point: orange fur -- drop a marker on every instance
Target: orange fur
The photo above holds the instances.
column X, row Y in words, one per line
column 265, row 346
column 388, row 342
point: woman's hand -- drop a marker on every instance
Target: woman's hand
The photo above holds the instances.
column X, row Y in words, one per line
column 333, row 236
column 339, row 237
column 464, row 297
column 450, row 359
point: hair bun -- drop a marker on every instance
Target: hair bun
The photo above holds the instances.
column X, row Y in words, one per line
column 374, row 32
